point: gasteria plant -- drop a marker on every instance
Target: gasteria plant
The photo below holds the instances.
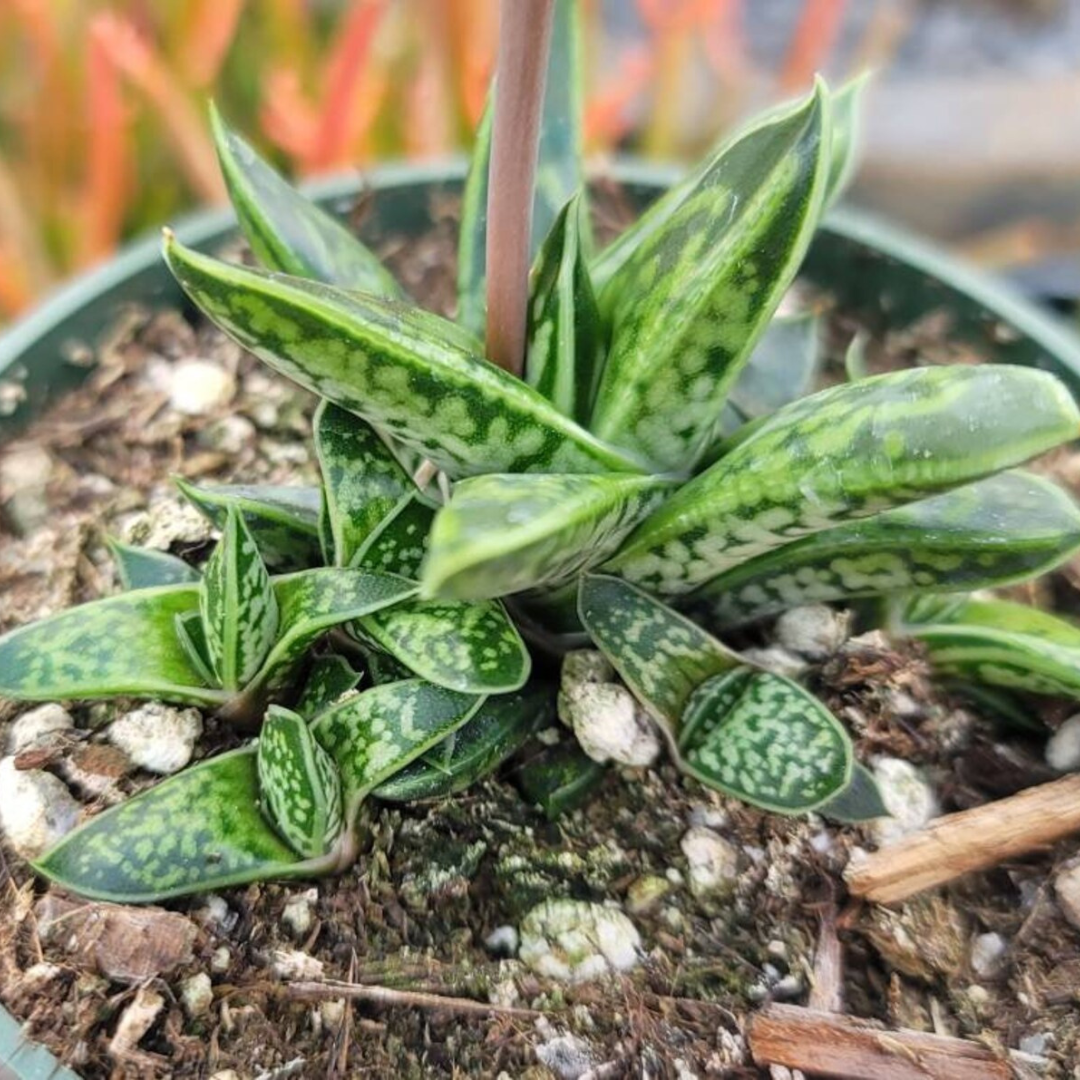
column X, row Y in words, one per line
column 654, row 469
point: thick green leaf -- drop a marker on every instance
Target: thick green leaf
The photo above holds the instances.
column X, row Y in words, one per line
column 844, row 453
column 859, row 801
column 399, row 543
column 1005, row 644
column 197, row 831
column 288, row 232
column 238, row 606
column 192, row 636
column 363, row 482
column 415, row 376
column 379, row 732
column 559, row 167
column 781, row 369
column 299, row 786
column 501, row 534
column 126, row 644
column 662, row 656
column 470, row 647
column 327, row 679
column 994, row 532
column 383, row 668
column 565, row 334
column 500, row 727
column 765, row 740
column 314, row 601
column 283, row 520
column 690, row 303
column 145, row 568
column 560, row 778
column 847, row 116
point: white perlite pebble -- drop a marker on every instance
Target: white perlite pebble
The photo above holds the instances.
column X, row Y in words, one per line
column 988, row 955
column 909, row 799
column 610, row 726
column 580, row 667
column 36, row 809
column 814, row 631
column 198, row 387
column 1067, row 891
column 156, row 737
column 34, row 728
column 502, row 941
column 197, row 994
column 574, row 940
column 293, row 964
column 713, row 862
column 298, row 915
column 567, row 1056
column 1063, row 747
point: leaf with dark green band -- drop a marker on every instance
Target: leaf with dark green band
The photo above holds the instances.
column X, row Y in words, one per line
column 398, row 545
column 859, row 801
column 283, row 520
column 288, row 232
column 314, row 601
column 661, row 655
column 192, row 636
column 1005, row 644
column 145, row 568
column 844, row 453
column 994, row 532
column 299, row 786
column 470, row 647
column 327, row 679
column 238, row 606
column 560, row 778
column 500, row 727
column 565, row 335
column 502, row 534
column 690, row 303
column 415, row 376
column 197, row 831
column 126, row 644
column 383, row 668
column 781, row 369
column 362, row 480
column 379, row 732
column 765, row 740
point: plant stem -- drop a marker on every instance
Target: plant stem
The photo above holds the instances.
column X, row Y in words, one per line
column 524, row 41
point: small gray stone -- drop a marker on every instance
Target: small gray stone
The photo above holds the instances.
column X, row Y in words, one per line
column 1063, row 747
column 502, row 941
column 907, row 796
column 610, row 726
column 988, row 955
column 36, row 809
column 197, row 994
column 814, row 631
column 291, row 964
column 581, row 667
column 574, row 940
column 566, row 1055
column 25, row 472
column 34, row 728
column 229, row 435
column 713, row 862
column 157, row 737
column 298, row 915
column 199, row 387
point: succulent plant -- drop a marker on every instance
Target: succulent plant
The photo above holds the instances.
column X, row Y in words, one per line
column 658, row 472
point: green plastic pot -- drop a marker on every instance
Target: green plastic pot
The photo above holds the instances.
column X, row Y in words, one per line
column 874, row 270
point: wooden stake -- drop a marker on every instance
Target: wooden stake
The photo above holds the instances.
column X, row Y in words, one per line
column 970, row 840
column 828, row 1044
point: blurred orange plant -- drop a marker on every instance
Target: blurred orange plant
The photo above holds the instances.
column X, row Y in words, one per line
column 102, row 129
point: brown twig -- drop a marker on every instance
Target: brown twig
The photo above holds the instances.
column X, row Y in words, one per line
column 383, row 995
column 524, row 42
column 970, row 840
column 827, row 991
column 843, row 1046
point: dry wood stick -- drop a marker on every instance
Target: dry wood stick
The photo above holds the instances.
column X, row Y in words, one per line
column 383, row 995
column 828, row 1044
column 970, row 840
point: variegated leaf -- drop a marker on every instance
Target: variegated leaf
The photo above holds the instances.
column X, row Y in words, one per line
column 994, row 532
column 299, row 786
column 470, row 647
column 689, row 305
column 283, row 520
column 238, row 606
column 363, row 482
column 192, row 637
column 126, row 644
column 197, row 831
column 288, row 232
column 379, row 732
column 383, row 668
column 845, row 453
column 565, row 335
column 860, row 801
column 661, row 655
column 399, row 543
column 847, row 117
column 500, row 534
column 765, row 740
column 500, row 727
column 145, row 568
column 1005, row 644
column 327, row 679
column 559, row 167
column 314, row 601
column 560, row 778
column 417, row 377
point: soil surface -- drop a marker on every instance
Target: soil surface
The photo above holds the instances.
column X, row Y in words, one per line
column 212, row 986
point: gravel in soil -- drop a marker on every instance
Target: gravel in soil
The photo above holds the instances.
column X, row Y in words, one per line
column 730, row 903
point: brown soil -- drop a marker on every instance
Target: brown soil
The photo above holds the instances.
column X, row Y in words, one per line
column 436, row 880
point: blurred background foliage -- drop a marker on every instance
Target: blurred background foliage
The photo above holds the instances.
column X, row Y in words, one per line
column 973, row 118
